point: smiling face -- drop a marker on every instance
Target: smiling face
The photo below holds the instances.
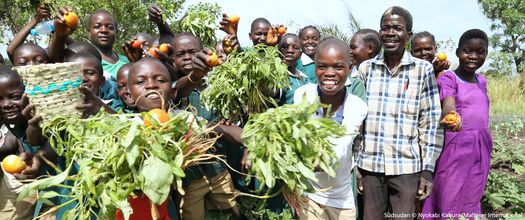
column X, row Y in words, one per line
column 424, row 48
column 11, row 105
column 393, row 33
column 360, row 50
column 290, row 49
column 146, row 76
column 29, row 54
column 258, row 32
column 472, row 54
column 91, row 72
column 332, row 65
column 102, row 30
column 309, row 40
column 122, row 85
column 185, row 48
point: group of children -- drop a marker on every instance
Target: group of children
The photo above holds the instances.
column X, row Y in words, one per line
column 390, row 100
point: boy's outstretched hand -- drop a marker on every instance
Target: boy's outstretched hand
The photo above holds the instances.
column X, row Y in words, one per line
column 32, row 170
column 134, row 54
column 42, row 12
column 155, row 14
column 229, row 26
column 92, row 103
column 230, row 44
column 426, row 184
column 61, row 29
column 33, row 130
column 200, row 64
column 272, row 38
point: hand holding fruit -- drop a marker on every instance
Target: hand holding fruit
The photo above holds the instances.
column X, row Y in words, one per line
column 230, row 43
column 202, row 63
column 274, row 34
column 161, row 52
column 452, row 121
column 133, row 50
column 27, row 166
column 440, row 63
column 66, row 22
column 229, row 24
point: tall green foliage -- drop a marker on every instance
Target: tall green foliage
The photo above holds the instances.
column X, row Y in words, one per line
column 132, row 15
column 508, row 18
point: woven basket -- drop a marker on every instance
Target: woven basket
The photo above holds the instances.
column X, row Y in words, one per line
column 53, row 88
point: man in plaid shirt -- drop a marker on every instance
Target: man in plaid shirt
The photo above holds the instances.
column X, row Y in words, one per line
column 401, row 138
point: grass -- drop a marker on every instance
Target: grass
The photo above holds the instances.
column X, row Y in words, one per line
column 507, row 95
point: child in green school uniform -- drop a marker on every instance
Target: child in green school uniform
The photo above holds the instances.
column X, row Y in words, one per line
column 309, row 37
column 290, row 49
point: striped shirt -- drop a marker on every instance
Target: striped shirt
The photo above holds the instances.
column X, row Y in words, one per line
column 401, row 132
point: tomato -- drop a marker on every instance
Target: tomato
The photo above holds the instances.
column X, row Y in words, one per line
column 451, row 118
column 13, row 164
column 159, row 115
column 136, row 44
column 281, row 30
column 71, row 19
column 164, row 48
column 234, row 19
column 213, row 61
column 153, row 52
column 442, row 57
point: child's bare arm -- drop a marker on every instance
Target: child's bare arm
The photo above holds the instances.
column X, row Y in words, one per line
column 155, row 15
column 33, row 130
column 452, row 122
column 187, row 84
column 60, row 37
column 42, row 12
column 448, row 104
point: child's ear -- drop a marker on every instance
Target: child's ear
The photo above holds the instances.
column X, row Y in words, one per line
column 370, row 51
column 250, row 36
column 457, row 52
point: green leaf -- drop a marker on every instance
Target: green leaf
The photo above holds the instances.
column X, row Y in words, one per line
column 267, row 173
column 43, row 184
column 131, row 135
column 157, row 179
column 48, row 194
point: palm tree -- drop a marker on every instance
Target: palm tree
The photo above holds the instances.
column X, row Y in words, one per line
column 332, row 30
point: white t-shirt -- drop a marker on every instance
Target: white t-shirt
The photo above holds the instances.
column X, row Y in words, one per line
column 337, row 191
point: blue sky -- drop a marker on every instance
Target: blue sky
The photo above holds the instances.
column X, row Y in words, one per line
column 446, row 19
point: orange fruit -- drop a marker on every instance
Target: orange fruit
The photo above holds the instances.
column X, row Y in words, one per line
column 281, row 30
column 158, row 115
column 153, row 52
column 164, row 48
column 234, row 19
column 451, row 118
column 136, row 44
column 13, row 164
column 71, row 19
column 213, row 61
column 442, row 57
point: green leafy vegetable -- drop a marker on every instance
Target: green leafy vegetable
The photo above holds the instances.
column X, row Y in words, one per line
column 202, row 21
column 115, row 157
column 287, row 144
column 246, row 82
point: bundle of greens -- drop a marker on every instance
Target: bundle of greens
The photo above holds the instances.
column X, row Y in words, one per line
column 287, row 144
column 110, row 157
column 246, row 82
column 202, row 21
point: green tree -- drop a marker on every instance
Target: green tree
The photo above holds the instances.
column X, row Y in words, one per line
column 332, row 30
column 132, row 15
column 508, row 18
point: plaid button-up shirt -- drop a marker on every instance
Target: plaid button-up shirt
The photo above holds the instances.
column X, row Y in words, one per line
column 401, row 132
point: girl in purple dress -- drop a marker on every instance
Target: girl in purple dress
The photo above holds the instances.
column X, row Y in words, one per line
column 463, row 166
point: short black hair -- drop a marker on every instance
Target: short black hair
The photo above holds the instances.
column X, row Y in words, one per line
column 31, row 45
column 396, row 10
column 259, row 20
column 147, row 59
column 1, row 59
column 289, row 35
column 473, row 34
column 9, row 72
column 102, row 11
column 339, row 44
column 422, row 34
column 372, row 37
column 185, row 34
column 87, row 56
column 310, row 27
column 82, row 47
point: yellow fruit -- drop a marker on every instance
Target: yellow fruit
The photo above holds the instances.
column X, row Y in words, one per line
column 234, row 19
column 13, row 164
column 157, row 114
column 71, row 19
column 213, row 61
column 451, row 118
column 442, row 57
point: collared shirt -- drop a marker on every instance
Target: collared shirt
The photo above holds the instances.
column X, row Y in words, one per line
column 295, row 83
column 337, row 191
column 307, row 66
column 109, row 95
column 401, row 133
column 111, row 69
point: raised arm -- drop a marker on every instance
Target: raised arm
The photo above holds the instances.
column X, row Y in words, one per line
column 42, row 12
column 59, row 39
column 155, row 15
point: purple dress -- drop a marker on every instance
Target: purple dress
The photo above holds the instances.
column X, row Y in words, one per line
column 463, row 166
